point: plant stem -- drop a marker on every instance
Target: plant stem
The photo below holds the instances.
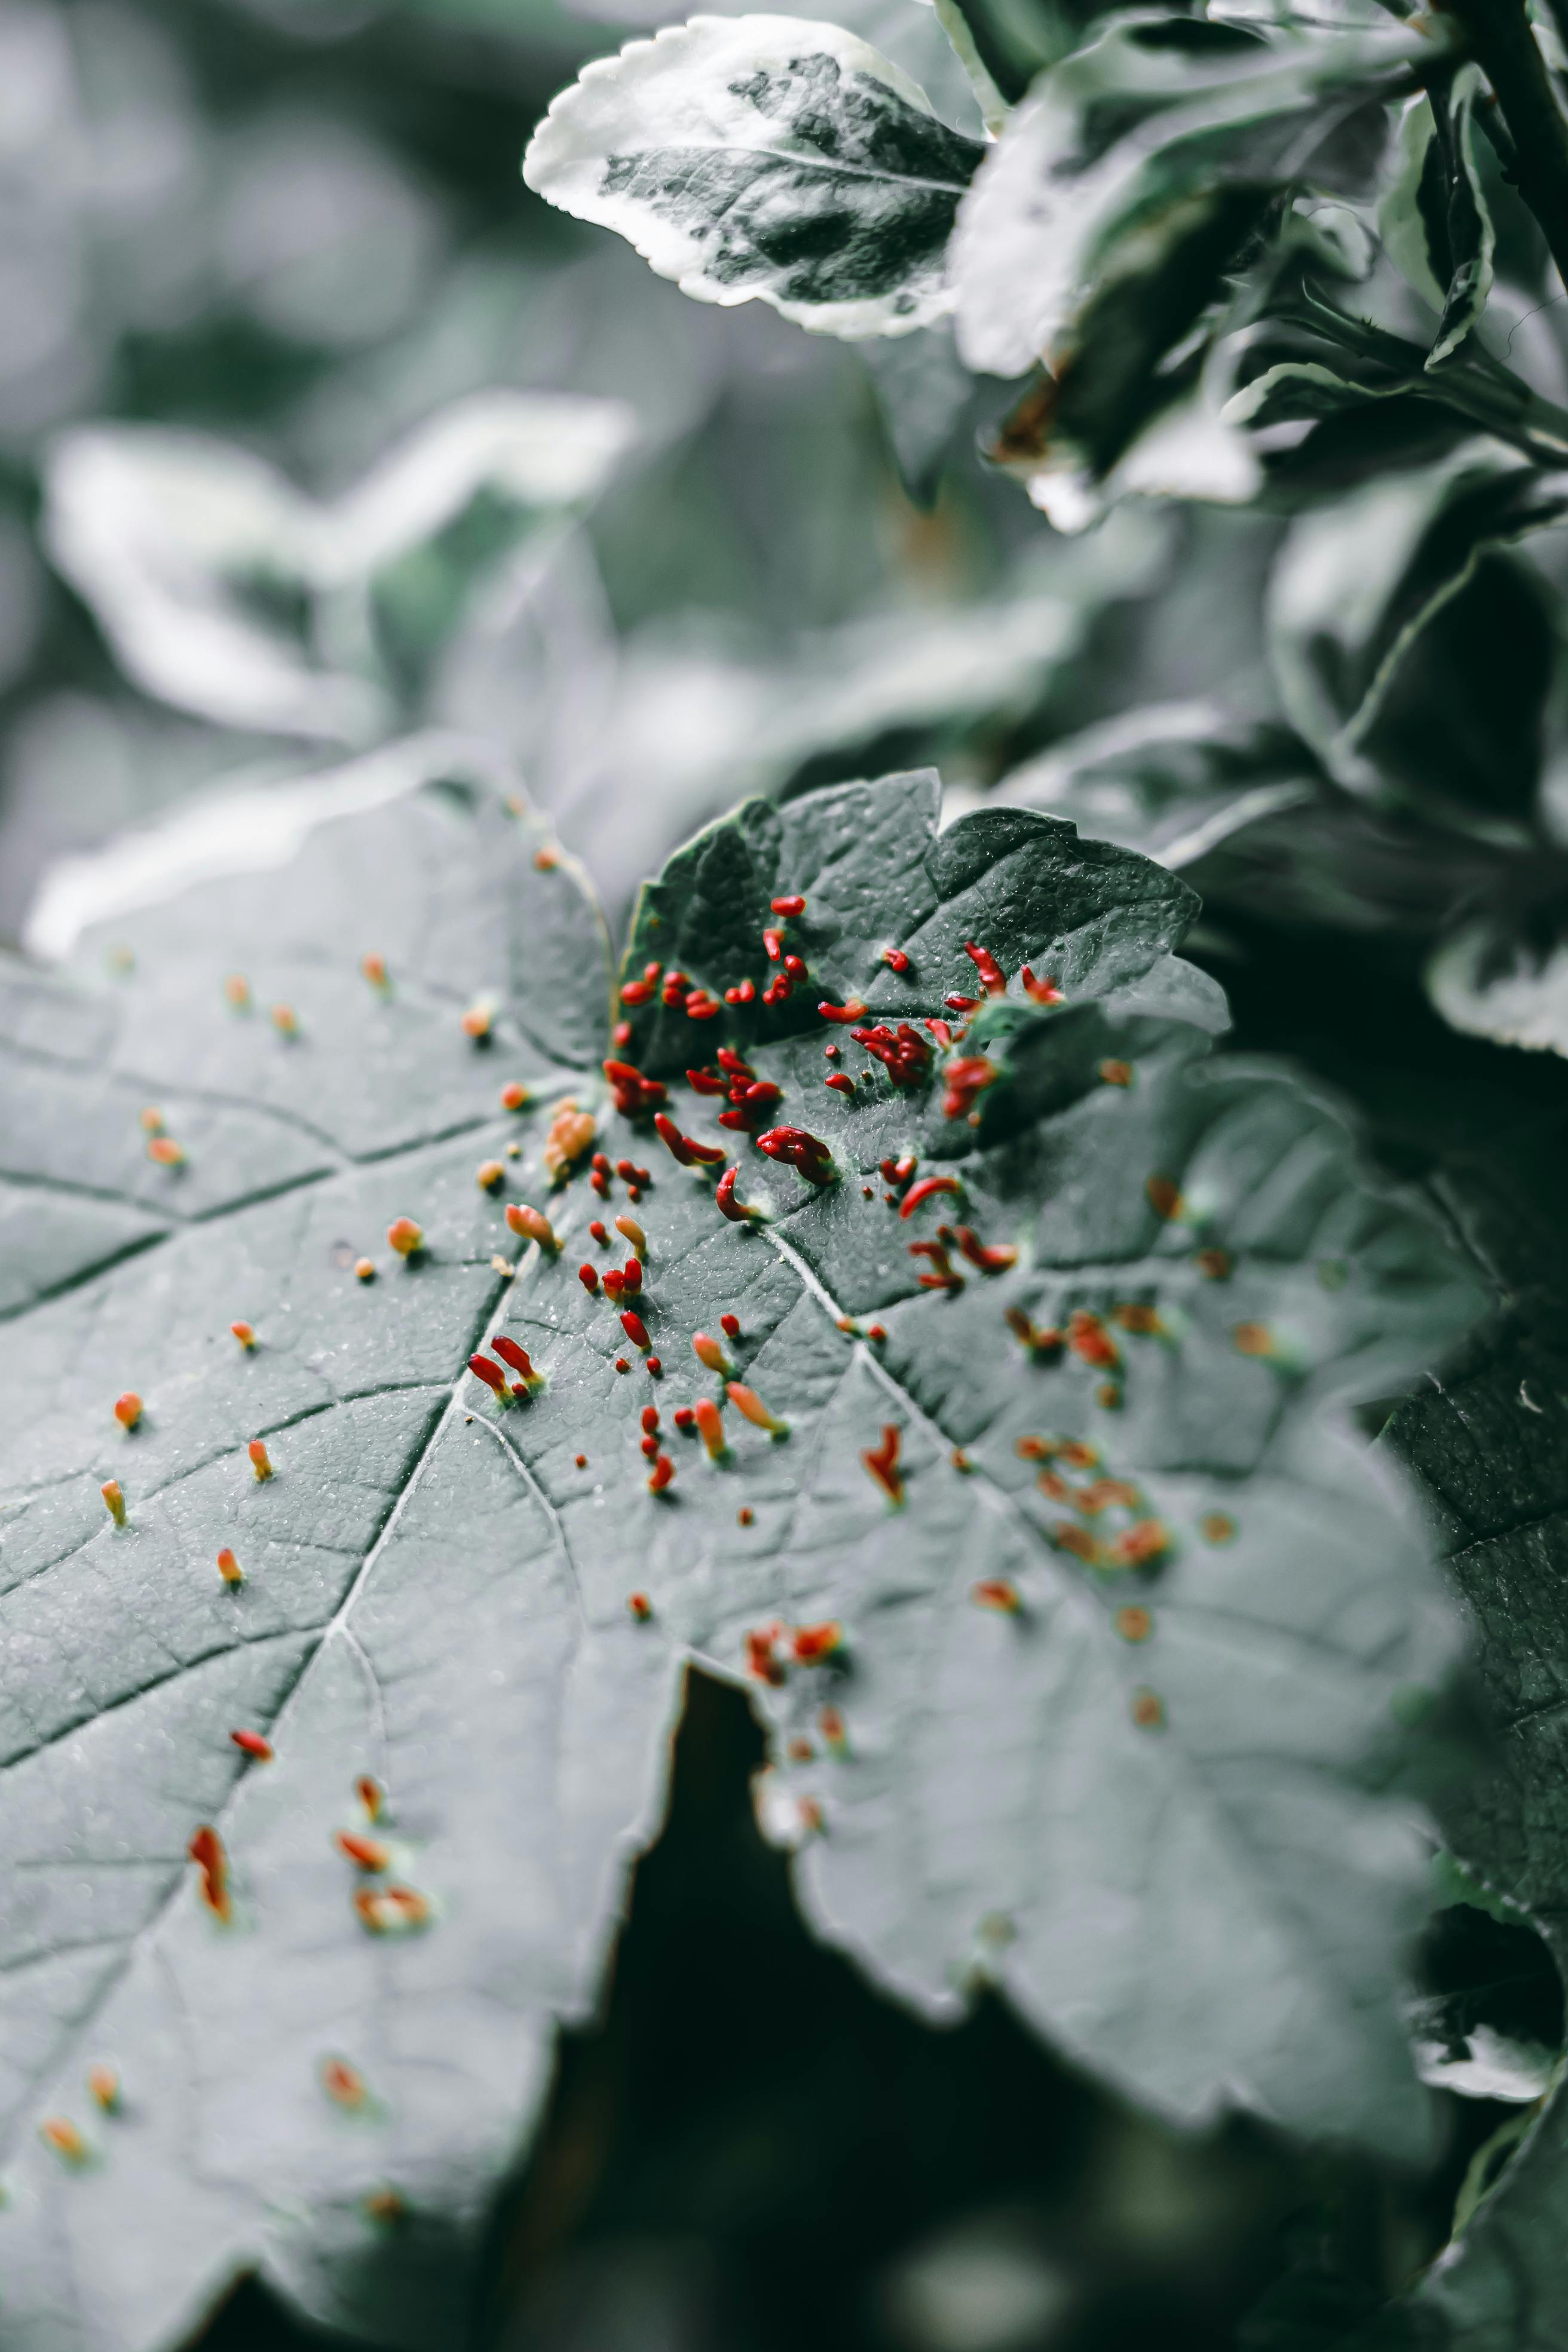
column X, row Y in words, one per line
column 1476, row 386
column 1500, row 41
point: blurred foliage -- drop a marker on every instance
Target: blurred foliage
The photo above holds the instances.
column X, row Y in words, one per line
column 302, row 230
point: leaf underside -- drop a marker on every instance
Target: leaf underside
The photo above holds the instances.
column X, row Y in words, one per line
column 1138, row 1796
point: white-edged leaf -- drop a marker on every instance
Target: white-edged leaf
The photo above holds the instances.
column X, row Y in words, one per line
column 1304, row 16
column 1486, row 2064
column 766, row 158
column 1113, row 158
column 196, row 559
column 532, row 452
column 1189, row 448
column 248, row 823
column 913, row 34
column 1434, row 217
column 1360, row 577
column 1174, row 780
column 223, row 589
column 1402, row 222
column 994, row 107
column 1490, row 986
column 1299, row 392
column 693, row 729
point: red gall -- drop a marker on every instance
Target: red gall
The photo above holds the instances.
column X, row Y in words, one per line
column 882, row 1462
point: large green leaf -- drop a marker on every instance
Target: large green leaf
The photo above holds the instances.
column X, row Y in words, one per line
column 1104, row 1727
column 223, row 589
column 765, row 157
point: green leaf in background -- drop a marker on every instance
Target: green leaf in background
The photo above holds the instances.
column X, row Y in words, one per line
column 1493, row 979
column 762, row 157
column 1302, row 359
column 923, row 390
column 1434, row 218
column 1361, row 578
column 1418, row 661
column 1241, row 807
column 224, row 591
column 1179, row 445
column 678, row 729
column 1305, row 391
column 1126, row 188
column 1174, row 780
column 1337, row 16
column 1026, row 1508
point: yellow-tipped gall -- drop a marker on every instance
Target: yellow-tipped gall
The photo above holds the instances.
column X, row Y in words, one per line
column 531, row 1225
column 709, row 1426
column 343, row 2084
column 103, row 2082
column 61, row 2135
column 571, row 1133
column 749, row 1404
column 996, row 1592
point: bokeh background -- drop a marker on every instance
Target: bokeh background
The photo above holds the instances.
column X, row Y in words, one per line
column 299, row 225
